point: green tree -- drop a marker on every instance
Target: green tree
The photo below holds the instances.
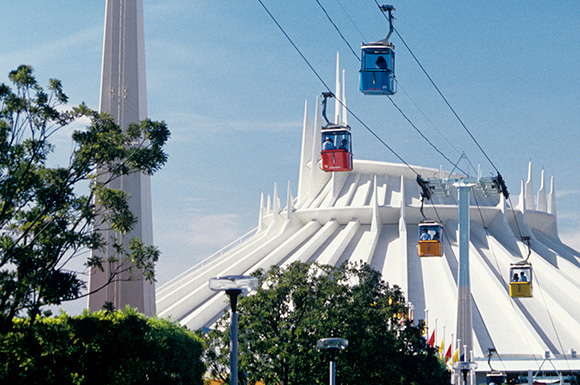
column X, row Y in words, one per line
column 120, row 347
column 48, row 214
column 296, row 306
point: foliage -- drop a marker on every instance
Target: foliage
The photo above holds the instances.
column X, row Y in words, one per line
column 575, row 378
column 100, row 348
column 296, row 306
column 45, row 221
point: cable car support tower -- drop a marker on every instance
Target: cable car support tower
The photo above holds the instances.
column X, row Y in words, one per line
column 489, row 185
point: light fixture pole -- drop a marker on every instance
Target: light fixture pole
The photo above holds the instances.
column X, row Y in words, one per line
column 234, row 285
column 333, row 345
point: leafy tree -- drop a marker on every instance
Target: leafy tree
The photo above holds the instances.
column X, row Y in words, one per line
column 45, row 218
column 120, row 347
column 296, row 306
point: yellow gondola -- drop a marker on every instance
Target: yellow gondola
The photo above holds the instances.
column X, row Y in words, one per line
column 430, row 244
column 521, row 280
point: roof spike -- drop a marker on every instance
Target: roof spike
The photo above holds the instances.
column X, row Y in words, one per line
column 376, row 221
column 541, row 205
column 502, row 204
column 552, row 198
column 403, row 215
column 522, row 201
column 529, row 190
column 268, row 206
column 344, row 117
column 289, row 202
column 276, row 200
column 261, row 213
column 306, row 156
column 318, row 178
column 337, row 90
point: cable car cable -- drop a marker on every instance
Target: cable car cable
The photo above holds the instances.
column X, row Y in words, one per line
column 426, row 117
column 352, row 21
column 479, row 210
column 525, row 239
column 328, row 89
column 551, row 320
column 447, row 102
column 372, row 132
column 338, row 30
column 516, row 218
column 423, row 136
column 445, row 235
column 442, row 96
column 398, row 82
column 505, row 283
column 392, row 101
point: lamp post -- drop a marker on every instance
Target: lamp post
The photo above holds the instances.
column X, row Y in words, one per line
column 234, row 285
column 465, row 367
column 333, row 345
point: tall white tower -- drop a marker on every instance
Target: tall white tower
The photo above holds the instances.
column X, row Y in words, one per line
column 124, row 96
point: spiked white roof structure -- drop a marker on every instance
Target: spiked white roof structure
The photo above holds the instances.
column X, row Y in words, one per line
column 371, row 214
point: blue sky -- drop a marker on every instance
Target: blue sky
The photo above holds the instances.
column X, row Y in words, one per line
column 232, row 90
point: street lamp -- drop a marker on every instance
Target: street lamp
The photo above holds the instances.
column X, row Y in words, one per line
column 333, row 345
column 234, row 285
column 465, row 367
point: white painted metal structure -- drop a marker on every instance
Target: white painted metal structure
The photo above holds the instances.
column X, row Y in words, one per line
column 124, row 96
column 371, row 214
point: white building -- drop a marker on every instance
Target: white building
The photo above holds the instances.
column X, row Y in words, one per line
column 371, row 214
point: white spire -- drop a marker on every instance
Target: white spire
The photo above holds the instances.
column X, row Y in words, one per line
column 337, row 91
column 305, row 156
column 377, row 221
column 542, row 195
column 262, row 212
column 403, row 212
column 529, row 191
column 344, row 119
column 276, row 201
column 318, row 178
column 289, row 203
column 552, row 198
column 522, row 201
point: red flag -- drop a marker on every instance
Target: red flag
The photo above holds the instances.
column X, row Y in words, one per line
column 448, row 354
column 431, row 341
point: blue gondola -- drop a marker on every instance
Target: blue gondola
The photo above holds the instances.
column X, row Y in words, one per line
column 377, row 73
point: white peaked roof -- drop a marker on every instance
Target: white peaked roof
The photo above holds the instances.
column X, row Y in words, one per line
column 371, row 214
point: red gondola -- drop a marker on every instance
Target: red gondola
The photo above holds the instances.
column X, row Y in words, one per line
column 336, row 152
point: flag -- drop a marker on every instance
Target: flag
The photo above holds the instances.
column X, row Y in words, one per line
column 456, row 355
column 431, row 341
column 448, row 354
column 441, row 347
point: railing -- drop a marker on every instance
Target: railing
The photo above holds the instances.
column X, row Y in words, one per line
column 212, row 257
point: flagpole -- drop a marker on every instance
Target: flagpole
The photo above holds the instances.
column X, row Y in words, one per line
column 427, row 322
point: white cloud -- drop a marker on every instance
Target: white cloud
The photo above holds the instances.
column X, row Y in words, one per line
column 53, row 49
column 565, row 193
column 189, row 237
column 208, row 232
column 182, row 125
